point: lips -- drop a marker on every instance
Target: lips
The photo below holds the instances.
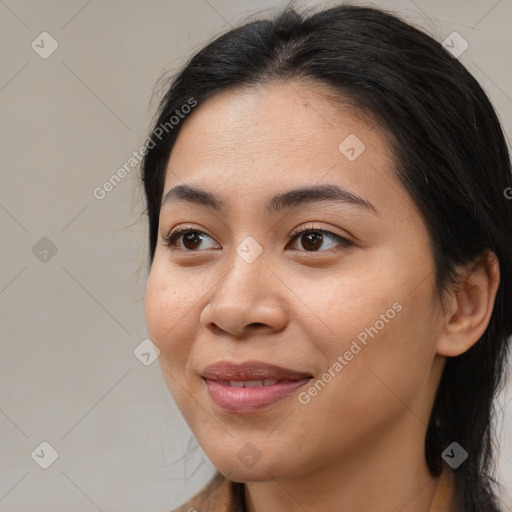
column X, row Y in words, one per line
column 250, row 372
column 250, row 386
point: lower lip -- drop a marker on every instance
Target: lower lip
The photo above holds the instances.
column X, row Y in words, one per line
column 250, row 399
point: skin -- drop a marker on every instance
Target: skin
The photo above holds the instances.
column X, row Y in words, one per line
column 359, row 443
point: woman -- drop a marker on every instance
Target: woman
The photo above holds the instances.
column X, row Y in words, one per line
column 330, row 266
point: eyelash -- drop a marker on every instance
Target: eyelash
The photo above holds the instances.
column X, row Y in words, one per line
column 171, row 238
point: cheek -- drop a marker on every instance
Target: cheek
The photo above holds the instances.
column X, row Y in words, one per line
column 167, row 316
column 379, row 382
column 166, row 311
column 376, row 323
column 394, row 364
column 350, row 307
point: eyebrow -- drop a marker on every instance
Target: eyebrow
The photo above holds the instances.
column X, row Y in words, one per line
column 283, row 201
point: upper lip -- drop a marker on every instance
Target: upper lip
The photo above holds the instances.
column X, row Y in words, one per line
column 250, row 370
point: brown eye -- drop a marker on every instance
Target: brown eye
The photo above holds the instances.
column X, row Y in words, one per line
column 313, row 239
column 190, row 238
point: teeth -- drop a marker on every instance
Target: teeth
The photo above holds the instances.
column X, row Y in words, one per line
column 251, row 383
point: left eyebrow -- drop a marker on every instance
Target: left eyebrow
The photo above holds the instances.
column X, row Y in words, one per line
column 283, row 201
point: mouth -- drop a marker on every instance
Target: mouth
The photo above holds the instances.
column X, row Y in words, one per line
column 250, row 386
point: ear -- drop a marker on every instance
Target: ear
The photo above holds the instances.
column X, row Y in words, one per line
column 470, row 306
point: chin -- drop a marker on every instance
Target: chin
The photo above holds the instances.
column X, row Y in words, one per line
column 246, row 465
column 242, row 475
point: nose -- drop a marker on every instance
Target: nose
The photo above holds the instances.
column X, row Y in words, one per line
column 249, row 296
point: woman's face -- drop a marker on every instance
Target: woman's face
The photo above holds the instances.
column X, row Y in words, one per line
column 355, row 313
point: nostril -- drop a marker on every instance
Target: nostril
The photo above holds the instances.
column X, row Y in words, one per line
column 217, row 329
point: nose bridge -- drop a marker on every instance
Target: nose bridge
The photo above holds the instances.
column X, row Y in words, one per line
column 246, row 267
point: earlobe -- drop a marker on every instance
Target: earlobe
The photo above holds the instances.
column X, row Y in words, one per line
column 471, row 306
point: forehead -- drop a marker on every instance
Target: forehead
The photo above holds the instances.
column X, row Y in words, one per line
column 276, row 115
column 254, row 141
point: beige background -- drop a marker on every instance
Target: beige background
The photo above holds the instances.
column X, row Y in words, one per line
column 70, row 323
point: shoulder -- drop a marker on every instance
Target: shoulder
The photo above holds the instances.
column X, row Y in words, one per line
column 218, row 495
